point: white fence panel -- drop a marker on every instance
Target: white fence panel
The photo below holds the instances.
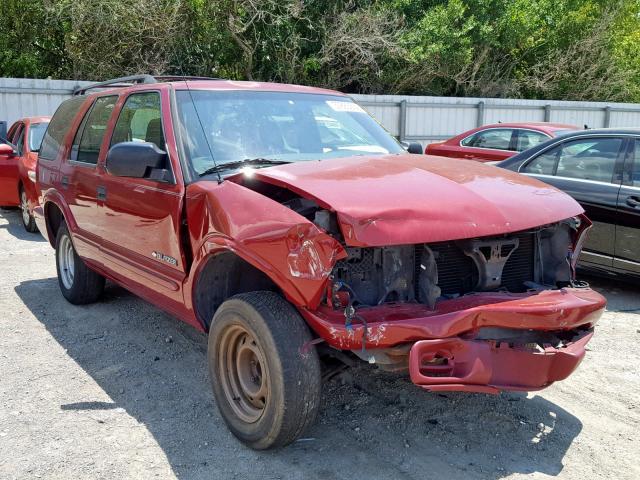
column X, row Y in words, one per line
column 411, row 118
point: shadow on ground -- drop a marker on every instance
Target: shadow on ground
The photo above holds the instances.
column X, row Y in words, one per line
column 14, row 226
column 377, row 425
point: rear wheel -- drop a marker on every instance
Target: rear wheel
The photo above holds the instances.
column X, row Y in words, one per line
column 265, row 375
column 78, row 283
column 27, row 219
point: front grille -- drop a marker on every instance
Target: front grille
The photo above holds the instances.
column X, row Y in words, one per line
column 458, row 274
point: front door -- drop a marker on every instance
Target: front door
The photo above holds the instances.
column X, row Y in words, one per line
column 627, row 251
column 141, row 217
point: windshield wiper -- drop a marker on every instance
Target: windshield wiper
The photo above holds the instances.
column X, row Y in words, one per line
column 247, row 162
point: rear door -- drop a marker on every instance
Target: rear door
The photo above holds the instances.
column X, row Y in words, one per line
column 79, row 175
column 9, row 169
column 589, row 169
column 490, row 145
column 627, row 250
column 140, row 218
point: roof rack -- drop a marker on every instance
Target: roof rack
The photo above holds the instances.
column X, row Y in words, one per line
column 117, row 82
column 178, row 78
column 133, row 79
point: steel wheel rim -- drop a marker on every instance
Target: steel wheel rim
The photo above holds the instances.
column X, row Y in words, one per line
column 66, row 262
column 244, row 376
column 24, row 205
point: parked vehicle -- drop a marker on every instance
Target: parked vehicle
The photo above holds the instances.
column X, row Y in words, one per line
column 601, row 169
column 18, row 167
column 493, row 143
column 231, row 206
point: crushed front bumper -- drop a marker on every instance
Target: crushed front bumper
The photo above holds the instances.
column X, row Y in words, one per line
column 454, row 364
column 445, row 352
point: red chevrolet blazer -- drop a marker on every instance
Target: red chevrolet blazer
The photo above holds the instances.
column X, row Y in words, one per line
column 286, row 223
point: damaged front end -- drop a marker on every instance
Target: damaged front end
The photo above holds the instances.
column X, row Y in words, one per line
column 482, row 314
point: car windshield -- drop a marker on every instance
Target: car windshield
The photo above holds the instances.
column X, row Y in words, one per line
column 290, row 127
column 36, row 133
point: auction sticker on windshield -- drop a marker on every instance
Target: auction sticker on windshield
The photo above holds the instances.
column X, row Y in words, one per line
column 345, row 106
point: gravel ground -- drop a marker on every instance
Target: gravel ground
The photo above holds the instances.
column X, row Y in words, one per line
column 120, row 390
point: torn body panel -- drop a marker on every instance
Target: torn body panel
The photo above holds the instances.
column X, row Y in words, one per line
column 292, row 251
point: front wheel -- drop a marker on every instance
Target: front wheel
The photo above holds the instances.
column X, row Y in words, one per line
column 27, row 219
column 78, row 283
column 265, row 374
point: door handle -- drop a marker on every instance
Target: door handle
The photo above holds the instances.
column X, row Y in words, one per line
column 101, row 193
column 633, row 202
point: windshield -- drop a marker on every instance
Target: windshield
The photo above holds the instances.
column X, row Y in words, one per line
column 36, row 133
column 290, row 127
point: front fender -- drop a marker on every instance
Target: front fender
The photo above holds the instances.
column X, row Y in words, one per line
column 292, row 251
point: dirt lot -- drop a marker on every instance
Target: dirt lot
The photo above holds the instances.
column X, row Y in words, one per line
column 120, row 390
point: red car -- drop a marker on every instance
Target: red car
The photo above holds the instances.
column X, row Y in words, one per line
column 18, row 167
column 286, row 223
column 493, row 143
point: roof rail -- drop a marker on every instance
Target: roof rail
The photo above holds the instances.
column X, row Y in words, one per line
column 177, row 78
column 117, row 82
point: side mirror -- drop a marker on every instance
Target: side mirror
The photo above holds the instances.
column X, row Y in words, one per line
column 138, row 160
column 415, row 147
column 6, row 149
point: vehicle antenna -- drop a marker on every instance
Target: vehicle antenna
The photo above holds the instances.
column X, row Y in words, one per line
column 206, row 137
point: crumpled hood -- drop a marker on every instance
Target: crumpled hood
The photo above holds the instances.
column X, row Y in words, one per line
column 405, row 199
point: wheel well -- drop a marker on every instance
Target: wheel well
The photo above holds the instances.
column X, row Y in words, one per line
column 54, row 218
column 225, row 275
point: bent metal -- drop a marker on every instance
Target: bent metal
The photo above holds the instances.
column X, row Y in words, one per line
column 289, row 226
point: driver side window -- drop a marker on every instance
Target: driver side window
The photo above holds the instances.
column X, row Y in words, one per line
column 140, row 120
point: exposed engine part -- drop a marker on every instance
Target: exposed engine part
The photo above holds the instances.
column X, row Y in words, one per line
column 553, row 250
column 428, row 289
column 530, row 260
column 490, row 257
column 378, row 275
column 306, row 208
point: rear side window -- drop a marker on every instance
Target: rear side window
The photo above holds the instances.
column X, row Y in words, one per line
column 88, row 139
column 60, row 123
column 140, row 120
column 495, row 138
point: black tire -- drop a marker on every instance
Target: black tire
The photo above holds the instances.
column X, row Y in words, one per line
column 28, row 221
column 292, row 371
column 85, row 285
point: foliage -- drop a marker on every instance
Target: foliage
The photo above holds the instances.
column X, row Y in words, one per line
column 564, row 49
